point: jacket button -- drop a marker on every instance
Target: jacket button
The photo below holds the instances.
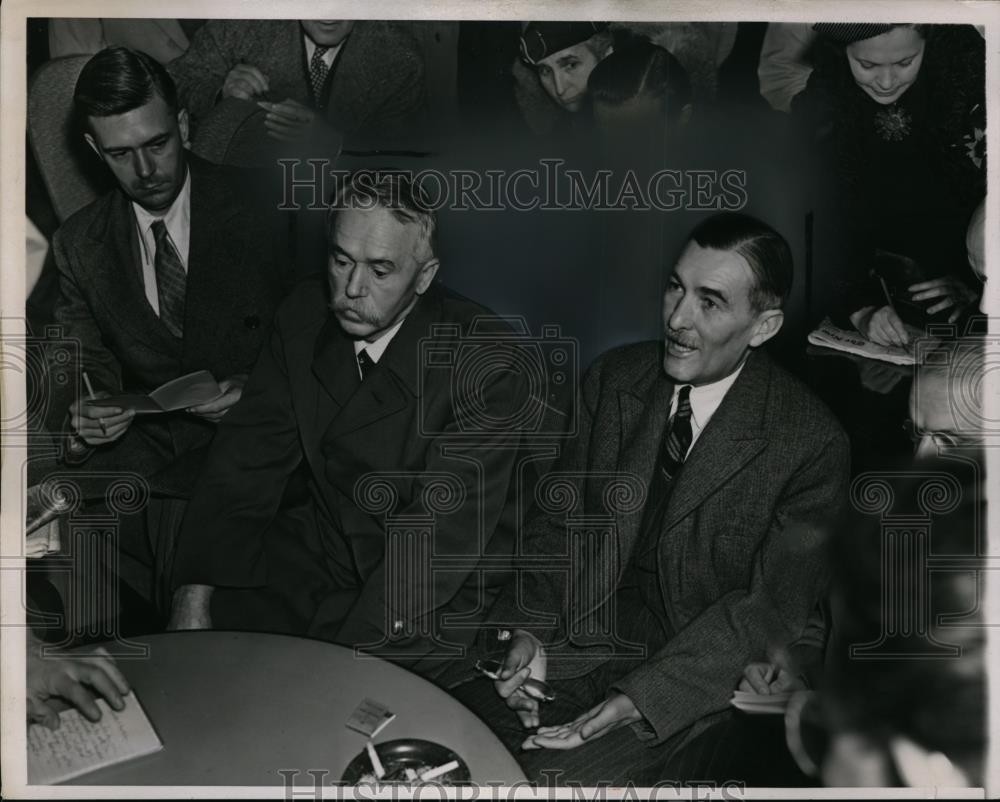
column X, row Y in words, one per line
column 251, row 322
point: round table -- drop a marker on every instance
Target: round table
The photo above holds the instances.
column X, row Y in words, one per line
column 235, row 708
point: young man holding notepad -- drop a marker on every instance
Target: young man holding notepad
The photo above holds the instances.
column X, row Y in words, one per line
column 170, row 273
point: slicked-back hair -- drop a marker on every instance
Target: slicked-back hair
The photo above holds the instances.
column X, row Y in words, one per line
column 118, row 80
column 392, row 190
column 764, row 249
column 641, row 69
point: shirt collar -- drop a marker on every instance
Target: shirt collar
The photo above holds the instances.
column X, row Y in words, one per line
column 328, row 56
column 176, row 218
column 377, row 348
column 705, row 398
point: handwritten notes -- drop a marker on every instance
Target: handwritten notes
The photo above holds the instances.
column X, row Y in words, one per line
column 80, row 746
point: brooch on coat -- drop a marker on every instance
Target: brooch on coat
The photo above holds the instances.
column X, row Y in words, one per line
column 892, row 123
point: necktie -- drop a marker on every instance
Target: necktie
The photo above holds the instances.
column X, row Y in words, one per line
column 673, row 452
column 678, row 440
column 171, row 280
column 365, row 363
column 317, row 74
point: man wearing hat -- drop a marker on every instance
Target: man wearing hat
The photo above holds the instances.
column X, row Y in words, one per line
column 563, row 54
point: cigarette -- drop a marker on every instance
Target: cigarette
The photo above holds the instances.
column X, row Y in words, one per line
column 376, row 763
column 431, row 774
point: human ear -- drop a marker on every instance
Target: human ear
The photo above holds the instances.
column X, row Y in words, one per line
column 427, row 272
column 183, row 126
column 768, row 324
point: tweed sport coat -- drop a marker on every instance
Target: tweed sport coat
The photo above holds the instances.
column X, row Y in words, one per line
column 235, row 279
column 305, row 406
column 741, row 561
column 375, row 92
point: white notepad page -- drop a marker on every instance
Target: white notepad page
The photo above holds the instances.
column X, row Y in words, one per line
column 80, row 746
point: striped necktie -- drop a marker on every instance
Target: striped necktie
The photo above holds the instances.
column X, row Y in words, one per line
column 318, row 70
column 678, row 440
column 171, row 280
column 673, row 452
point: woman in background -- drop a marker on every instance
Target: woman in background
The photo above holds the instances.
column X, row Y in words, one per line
column 897, row 113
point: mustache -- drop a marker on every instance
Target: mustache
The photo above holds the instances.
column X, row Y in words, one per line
column 680, row 340
column 339, row 307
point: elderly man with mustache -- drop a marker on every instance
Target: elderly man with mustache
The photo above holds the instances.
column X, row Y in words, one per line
column 650, row 628
column 346, row 428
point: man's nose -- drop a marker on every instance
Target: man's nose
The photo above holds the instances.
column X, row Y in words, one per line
column 560, row 82
column 678, row 317
column 355, row 282
column 143, row 164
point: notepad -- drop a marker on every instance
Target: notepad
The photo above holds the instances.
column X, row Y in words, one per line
column 851, row 342
column 191, row 390
column 80, row 746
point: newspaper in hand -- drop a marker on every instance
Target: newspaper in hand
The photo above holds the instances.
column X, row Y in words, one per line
column 851, row 342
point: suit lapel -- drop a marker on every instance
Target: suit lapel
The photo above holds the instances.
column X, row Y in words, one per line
column 644, row 409
column 392, row 382
column 117, row 270
column 215, row 257
column 336, row 372
column 348, row 85
column 733, row 436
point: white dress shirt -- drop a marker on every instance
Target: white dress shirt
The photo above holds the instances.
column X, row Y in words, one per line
column 178, row 221
column 705, row 400
column 377, row 348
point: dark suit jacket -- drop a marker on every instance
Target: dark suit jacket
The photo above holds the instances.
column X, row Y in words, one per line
column 375, row 90
column 234, row 283
column 305, row 405
column 741, row 559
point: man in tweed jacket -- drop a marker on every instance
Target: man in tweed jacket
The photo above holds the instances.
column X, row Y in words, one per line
column 369, row 86
column 651, row 624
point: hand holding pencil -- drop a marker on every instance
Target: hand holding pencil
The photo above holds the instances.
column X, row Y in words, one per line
column 95, row 424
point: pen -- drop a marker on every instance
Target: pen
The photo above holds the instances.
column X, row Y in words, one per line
column 888, row 295
column 90, row 392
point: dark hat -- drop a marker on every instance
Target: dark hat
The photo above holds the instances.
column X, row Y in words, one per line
column 846, row 33
column 541, row 39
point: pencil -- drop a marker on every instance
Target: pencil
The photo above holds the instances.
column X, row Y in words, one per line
column 90, row 392
column 888, row 295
